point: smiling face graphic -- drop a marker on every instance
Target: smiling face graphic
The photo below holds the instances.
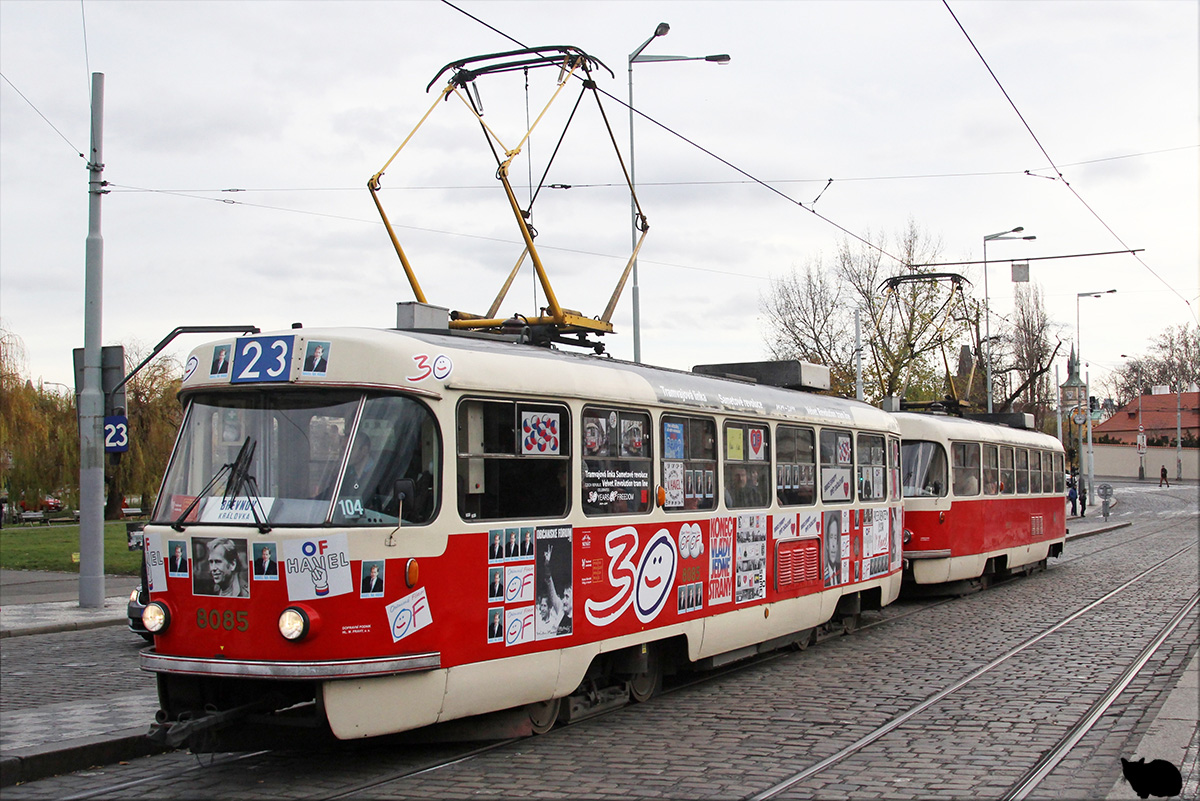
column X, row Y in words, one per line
column 655, row 576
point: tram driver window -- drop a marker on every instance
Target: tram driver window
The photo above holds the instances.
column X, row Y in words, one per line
column 923, row 465
column 837, row 464
column 393, row 467
column 689, row 463
column 964, row 459
column 795, row 466
column 513, row 460
column 616, row 461
column 872, row 484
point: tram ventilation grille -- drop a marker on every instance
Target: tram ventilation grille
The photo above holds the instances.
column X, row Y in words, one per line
column 797, row 562
column 1035, row 525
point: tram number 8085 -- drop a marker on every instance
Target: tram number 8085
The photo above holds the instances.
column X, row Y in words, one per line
column 228, row 620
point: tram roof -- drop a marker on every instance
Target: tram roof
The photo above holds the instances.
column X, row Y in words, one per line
column 947, row 427
column 387, row 358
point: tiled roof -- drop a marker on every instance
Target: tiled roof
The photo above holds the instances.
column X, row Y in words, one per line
column 1157, row 414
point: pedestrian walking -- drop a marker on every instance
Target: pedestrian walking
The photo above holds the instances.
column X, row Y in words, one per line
column 1082, row 499
column 1071, row 496
column 1162, row 476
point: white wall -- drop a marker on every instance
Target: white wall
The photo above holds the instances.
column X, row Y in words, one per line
column 1122, row 461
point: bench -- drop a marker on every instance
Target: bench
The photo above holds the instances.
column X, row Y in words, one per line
column 34, row 517
column 131, row 511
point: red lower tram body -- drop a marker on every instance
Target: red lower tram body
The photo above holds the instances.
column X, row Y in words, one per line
column 968, row 539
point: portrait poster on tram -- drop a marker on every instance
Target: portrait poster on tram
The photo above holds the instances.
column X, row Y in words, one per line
column 553, row 591
column 831, row 533
column 721, row 533
column 897, row 528
column 751, row 561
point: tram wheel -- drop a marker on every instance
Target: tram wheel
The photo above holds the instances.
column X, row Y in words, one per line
column 644, row 686
column 849, row 623
column 543, row 715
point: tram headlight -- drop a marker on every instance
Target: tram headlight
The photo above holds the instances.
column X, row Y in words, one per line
column 294, row 623
column 156, row 617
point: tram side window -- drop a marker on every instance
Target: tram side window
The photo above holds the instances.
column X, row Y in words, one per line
column 1022, row 471
column 795, row 466
column 689, row 463
column 872, row 484
column 964, row 457
column 616, row 462
column 894, row 467
column 923, row 465
column 747, row 465
column 513, row 459
column 1060, row 478
column 1047, row 472
column 837, row 464
column 991, row 470
column 1007, row 476
column 1035, row 472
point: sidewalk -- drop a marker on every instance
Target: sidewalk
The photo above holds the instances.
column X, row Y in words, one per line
column 96, row 727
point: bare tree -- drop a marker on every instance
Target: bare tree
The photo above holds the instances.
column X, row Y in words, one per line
column 1173, row 361
column 904, row 328
column 1030, row 354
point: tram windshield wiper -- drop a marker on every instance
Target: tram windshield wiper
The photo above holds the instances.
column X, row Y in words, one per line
column 240, row 480
column 239, row 477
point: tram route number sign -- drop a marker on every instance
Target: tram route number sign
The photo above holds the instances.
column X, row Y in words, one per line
column 262, row 359
column 116, row 433
column 1105, row 491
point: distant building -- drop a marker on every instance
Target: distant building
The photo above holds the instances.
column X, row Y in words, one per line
column 1158, row 419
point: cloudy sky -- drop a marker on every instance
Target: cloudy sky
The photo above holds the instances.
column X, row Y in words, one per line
column 297, row 104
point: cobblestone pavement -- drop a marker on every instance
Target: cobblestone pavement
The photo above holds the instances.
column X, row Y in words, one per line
column 744, row 731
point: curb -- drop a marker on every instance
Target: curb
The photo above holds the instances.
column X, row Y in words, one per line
column 1095, row 531
column 39, row 761
column 51, row 628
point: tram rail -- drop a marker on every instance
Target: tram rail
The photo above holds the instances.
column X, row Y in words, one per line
column 1020, row 790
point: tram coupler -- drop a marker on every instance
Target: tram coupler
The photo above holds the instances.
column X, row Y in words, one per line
column 175, row 733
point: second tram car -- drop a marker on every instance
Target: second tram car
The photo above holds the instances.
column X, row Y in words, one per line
column 368, row 531
column 980, row 499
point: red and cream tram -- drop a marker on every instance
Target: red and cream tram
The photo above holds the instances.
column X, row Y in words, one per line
column 368, row 531
column 980, row 499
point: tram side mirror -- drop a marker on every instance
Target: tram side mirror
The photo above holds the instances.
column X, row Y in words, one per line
column 405, row 491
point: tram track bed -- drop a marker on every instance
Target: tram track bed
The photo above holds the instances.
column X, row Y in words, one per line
column 739, row 733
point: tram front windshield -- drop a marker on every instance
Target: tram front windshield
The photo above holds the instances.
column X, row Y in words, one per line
column 924, row 466
column 303, row 458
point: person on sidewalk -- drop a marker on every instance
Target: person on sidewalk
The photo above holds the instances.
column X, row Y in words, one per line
column 1071, row 496
column 1082, row 498
column 1162, row 476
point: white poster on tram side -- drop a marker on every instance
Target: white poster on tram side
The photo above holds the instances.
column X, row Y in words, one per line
column 673, row 483
column 156, row 563
column 751, row 563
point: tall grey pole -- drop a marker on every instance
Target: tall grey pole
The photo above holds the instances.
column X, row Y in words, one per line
column 1091, row 466
column 858, row 387
column 1058, row 404
column 1179, row 431
column 635, row 290
column 91, row 397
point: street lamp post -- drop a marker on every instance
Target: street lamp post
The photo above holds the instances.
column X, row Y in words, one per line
column 1087, row 403
column 987, row 320
column 636, row 57
column 1141, row 432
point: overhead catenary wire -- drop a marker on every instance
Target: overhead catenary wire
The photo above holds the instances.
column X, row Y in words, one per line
column 38, row 111
column 1057, row 171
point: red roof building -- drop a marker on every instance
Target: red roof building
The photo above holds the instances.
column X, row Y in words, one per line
column 1157, row 416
